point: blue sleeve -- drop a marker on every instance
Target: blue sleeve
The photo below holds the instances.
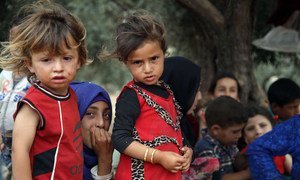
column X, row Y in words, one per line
column 277, row 142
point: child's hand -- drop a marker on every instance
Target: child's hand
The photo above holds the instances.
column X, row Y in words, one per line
column 188, row 155
column 169, row 160
column 101, row 143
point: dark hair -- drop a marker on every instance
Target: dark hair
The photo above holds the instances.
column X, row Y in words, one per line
column 283, row 91
column 225, row 112
column 253, row 110
column 135, row 29
column 222, row 75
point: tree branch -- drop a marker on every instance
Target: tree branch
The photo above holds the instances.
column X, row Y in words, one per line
column 206, row 10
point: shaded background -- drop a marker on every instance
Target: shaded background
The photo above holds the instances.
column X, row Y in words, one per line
column 215, row 34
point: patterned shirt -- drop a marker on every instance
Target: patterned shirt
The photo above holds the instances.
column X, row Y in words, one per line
column 210, row 152
column 283, row 139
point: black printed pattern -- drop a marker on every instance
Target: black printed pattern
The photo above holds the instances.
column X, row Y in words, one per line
column 137, row 166
column 161, row 111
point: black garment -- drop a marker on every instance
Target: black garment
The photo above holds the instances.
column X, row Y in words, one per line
column 183, row 77
column 129, row 107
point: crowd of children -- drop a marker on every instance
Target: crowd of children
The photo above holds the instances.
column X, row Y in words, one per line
column 53, row 127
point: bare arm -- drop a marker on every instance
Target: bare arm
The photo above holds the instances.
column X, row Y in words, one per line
column 288, row 163
column 23, row 135
column 169, row 160
column 102, row 146
column 241, row 175
column 188, row 155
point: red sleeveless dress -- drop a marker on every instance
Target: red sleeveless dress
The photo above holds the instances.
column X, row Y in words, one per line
column 157, row 127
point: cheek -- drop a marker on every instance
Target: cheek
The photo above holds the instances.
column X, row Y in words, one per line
column 106, row 125
column 86, row 137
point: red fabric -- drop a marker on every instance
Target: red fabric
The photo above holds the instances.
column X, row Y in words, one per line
column 150, row 125
column 69, row 161
column 278, row 161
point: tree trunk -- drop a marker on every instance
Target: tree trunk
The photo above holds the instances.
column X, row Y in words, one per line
column 225, row 31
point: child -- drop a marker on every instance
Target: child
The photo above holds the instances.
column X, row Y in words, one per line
column 215, row 153
column 49, row 47
column 95, row 113
column 186, row 91
column 282, row 140
column 147, row 129
column 284, row 99
column 260, row 122
column 225, row 84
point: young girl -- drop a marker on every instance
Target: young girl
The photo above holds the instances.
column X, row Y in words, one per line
column 147, row 129
column 225, row 84
column 49, row 47
column 95, row 113
column 259, row 122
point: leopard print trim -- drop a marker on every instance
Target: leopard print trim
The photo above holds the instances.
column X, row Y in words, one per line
column 137, row 166
column 161, row 111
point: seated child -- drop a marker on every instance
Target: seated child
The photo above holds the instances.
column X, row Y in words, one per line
column 95, row 113
column 284, row 99
column 283, row 139
column 259, row 122
column 215, row 153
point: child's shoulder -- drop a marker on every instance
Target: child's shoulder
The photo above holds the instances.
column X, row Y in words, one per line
column 204, row 144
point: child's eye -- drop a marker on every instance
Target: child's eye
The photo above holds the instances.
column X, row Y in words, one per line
column 154, row 58
column 89, row 114
column 106, row 115
column 45, row 60
column 137, row 62
column 67, row 58
column 250, row 128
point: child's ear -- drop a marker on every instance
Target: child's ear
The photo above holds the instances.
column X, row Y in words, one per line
column 29, row 65
column 275, row 108
column 215, row 129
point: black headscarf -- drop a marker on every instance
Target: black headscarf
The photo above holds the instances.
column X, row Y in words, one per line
column 183, row 77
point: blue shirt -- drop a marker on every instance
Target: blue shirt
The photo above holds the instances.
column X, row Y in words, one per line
column 283, row 139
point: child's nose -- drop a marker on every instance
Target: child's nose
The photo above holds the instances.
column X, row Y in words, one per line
column 147, row 67
column 100, row 124
column 58, row 65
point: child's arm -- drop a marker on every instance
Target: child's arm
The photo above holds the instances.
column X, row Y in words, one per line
column 169, row 160
column 241, row 175
column 288, row 163
column 23, row 135
column 102, row 146
column 188, row 155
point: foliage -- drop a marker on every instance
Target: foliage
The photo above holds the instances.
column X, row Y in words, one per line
column 101, row 16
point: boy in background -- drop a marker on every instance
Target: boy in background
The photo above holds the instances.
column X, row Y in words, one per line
column 215, row 153
column 284, row 99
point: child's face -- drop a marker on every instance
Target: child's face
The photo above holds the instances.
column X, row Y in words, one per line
column 288, row 110
column 55, row 72
column 96, row 116
column 255, row 127
column 146, row 63
column 226, row 87
column 230, row 135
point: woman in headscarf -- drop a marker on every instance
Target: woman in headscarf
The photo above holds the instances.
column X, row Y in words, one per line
column 95, row 113
column 183, row 77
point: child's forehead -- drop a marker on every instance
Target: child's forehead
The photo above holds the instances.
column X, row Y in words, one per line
column 234, row 127
column 54, row 48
